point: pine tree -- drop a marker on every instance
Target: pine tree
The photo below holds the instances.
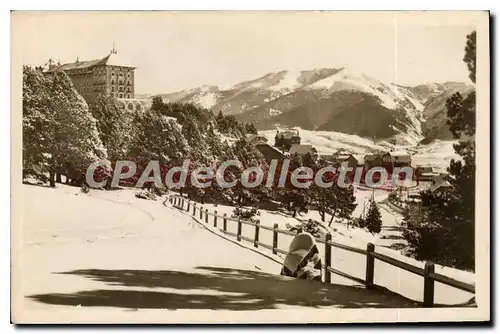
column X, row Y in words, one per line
column 373, row 219
column 157, row 103
column 76, row 142
column 157, row 138
column 59, row 132
column 38, row 120
column 442, row 228
column 113, row 124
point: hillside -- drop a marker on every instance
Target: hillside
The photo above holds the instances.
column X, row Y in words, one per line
column 435, row 126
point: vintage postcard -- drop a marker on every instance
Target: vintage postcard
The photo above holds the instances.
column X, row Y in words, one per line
column 250, row 167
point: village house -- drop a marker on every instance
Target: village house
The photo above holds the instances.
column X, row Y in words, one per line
column 400, row 159
column 373, row 160
column 346, row 160
column 285, row 140
column 440, row 185
column 302, row 150
column 425, row 173
column 256, row 139
column 270, row 153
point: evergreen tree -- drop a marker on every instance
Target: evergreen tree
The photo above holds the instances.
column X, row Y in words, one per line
column 157, row 103
column 373, row 219
column 157, row 138
column 76, row 142
column 442, row 228
column 59, row 132
column 113, row 124
column 38, row 120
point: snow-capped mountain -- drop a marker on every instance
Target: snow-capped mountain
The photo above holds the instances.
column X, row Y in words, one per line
column 326, row 99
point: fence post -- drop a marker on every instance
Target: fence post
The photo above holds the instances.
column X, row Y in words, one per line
column 428, row 284
column 201, row 213
column 170, row 199
column 370, row 265
column 238, row 234
column 256, row 238
column 206, row 216
column 328, row 258
column 194, row 209
column 182, row 203
column 188, row 206
column 275, row 238
column 215, row 218
column 224, row 222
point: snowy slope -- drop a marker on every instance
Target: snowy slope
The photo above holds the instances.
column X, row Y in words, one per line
column 139, row 258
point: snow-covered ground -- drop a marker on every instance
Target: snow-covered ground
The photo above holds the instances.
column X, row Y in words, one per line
column 110, row 252
column 397, row 280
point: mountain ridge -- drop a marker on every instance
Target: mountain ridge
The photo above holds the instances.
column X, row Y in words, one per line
column 332, row 99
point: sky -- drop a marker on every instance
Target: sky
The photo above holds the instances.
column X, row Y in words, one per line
column 178, row 50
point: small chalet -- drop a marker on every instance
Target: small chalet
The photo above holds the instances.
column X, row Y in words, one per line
column 302, row 150
column 425, row 173
column 373, row 160
column 347, row 160
column 256, row 139
column 440, row 186
column 285, row 140
column 270, row 153
column 400, row 159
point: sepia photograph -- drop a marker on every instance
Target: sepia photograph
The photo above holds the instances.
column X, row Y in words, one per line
column 250, row 167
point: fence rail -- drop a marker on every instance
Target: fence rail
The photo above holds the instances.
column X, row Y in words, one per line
column 430, row 277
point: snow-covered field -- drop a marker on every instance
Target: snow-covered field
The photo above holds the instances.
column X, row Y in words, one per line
column 110, row 252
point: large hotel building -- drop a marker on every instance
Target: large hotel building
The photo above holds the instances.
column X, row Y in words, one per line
column 109, row 75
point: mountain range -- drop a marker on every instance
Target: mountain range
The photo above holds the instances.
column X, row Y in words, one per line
column 333, row 99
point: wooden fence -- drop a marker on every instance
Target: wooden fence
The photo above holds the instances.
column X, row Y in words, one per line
column 428, row 274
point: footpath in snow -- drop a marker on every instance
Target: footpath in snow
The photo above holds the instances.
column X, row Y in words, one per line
column 113, row 252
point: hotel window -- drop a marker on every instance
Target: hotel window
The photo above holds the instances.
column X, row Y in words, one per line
column 120, row 95
column 112, row 82
column 128, row 96
column 128, row 89
column 120, row 89
column 112, row 89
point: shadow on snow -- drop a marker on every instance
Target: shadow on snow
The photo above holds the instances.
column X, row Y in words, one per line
column 218, row 289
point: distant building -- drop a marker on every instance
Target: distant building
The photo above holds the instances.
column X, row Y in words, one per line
column 425, row 173
column 108, row 75
column 347, row 160
column 285, row 140
column 373, row 160
column 256, row 139
column 400, row 159
column 440, row 186
column 270, row 153
column 302, row 150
